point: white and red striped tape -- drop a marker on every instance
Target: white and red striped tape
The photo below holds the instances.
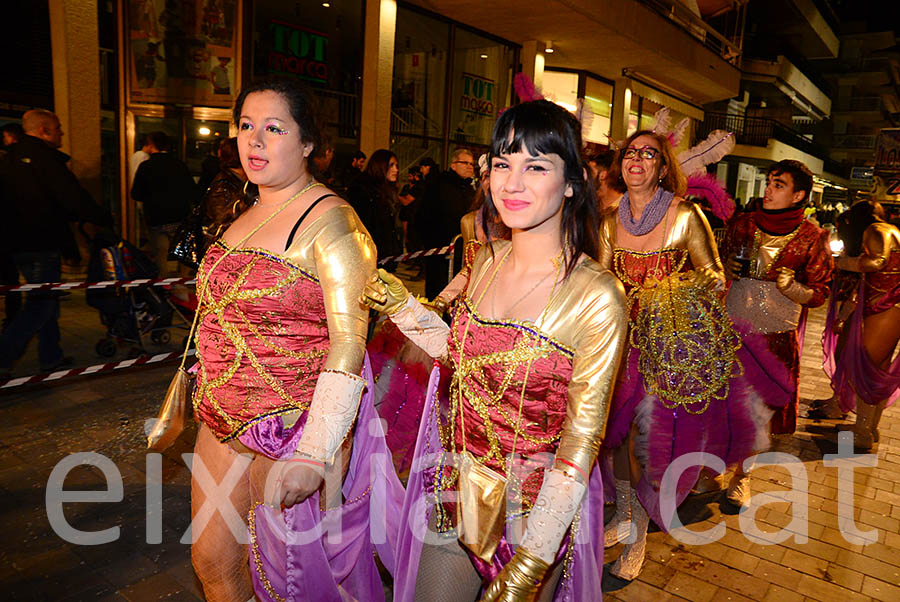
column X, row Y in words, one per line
column 438, row 251
column 66, row 286
column 107, row 367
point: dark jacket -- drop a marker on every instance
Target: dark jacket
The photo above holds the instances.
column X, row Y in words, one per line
column 377, row 209
column 446, row 199
column 40, row 196
column 219, row 204
column 165, row 187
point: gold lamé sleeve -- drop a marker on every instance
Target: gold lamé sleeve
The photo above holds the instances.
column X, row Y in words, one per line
column 344, row 256
column 607, row 239
column 876, row 247
column 467, row 226
column 698, row 238
column 600, row 326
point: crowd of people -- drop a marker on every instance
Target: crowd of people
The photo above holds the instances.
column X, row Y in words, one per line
column 595, row 334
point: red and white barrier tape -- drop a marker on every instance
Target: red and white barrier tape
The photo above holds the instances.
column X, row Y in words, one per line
column 438, row 251
column 108, row 367
column 66, row 286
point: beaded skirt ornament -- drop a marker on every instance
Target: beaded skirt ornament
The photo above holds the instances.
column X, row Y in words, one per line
column 686, row 341
column 761, row 307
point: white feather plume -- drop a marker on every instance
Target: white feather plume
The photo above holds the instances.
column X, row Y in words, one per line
column 677, row 134
column 663, row 121
column 718, row 144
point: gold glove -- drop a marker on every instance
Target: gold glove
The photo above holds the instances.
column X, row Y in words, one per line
column 519, row 581
column 790, row 288
column 385, row 292
column 708, row 278
column 784, row 279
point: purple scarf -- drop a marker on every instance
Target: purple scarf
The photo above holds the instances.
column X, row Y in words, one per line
column 651, row 216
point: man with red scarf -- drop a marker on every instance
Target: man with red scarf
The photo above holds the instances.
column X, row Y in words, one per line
column 779, row 265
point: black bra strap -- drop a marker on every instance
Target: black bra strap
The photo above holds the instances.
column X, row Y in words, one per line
column 303, row 217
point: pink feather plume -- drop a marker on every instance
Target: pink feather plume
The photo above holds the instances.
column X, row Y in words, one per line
column 706, row 186
column 525, row 88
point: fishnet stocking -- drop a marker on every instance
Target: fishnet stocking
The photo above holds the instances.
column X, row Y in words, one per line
column 220, row 561
column 446, row 575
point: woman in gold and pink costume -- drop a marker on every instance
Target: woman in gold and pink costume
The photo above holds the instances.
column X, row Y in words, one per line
column 502, row 502
column 675, row 395
column 282, row 381
column 865, row 378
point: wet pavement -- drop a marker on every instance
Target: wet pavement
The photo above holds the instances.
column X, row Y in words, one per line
column 105, row 413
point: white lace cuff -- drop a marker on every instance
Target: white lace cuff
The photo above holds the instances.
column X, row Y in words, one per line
column 553, row 510
column 798, row 293
column 423, row 327
column 331, row 414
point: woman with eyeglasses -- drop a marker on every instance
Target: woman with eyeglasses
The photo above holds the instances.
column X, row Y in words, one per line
column 532, row 352
column 672, row 396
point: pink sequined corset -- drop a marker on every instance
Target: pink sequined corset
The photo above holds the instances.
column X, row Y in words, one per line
column 262, row 339
column 494, row 365
column 634, row 268
column 883, row 286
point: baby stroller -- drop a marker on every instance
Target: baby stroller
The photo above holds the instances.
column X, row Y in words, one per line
column 130, row 314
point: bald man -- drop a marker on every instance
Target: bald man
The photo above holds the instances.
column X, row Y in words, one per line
column 40, row 197
column 43, row 124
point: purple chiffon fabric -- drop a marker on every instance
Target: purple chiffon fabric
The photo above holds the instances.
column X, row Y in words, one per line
column 304, row 553
column 853, row 372
column 726, row 430
column 584, row 581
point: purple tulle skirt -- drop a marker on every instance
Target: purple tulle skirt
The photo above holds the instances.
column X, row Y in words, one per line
column 731, row 429
column 304, row 553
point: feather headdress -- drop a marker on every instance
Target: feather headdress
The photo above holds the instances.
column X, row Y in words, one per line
column 707, row 186
column 718, row 144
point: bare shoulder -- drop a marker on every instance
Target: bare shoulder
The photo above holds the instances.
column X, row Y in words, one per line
column 329, row 200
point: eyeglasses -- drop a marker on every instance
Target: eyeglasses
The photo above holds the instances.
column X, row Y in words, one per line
column 648, row 152
column 469, row 163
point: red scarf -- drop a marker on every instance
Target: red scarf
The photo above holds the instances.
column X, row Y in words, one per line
column 778, row 222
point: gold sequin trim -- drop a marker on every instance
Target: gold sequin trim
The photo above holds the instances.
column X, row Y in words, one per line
column 257, row 560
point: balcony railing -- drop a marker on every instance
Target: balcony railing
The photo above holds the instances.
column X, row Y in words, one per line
column 854, row 141
column 859, row 103
column 706, row 34
column 756, row 131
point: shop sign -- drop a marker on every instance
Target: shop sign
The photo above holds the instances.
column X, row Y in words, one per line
column 887, row 152
column 478, row 95
column 298, row 51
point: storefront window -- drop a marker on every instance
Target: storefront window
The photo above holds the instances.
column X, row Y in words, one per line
column 319, row 43
column 482, row 79
column 477, row 87
column 420, row 75
column 598, row 99
column 562, row 88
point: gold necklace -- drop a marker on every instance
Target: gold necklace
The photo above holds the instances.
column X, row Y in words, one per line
column 529, row 291
column 460, row 373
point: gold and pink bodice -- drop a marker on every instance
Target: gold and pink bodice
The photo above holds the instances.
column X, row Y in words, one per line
column 498, row 357
column 262, row 339
column 634, row 268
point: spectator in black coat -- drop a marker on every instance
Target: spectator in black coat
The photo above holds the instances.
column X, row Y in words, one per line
column 164, row 185
column 446, row 199
column 374, row 198
column 39, row 198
